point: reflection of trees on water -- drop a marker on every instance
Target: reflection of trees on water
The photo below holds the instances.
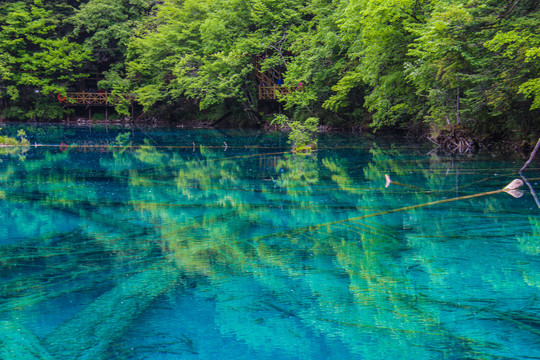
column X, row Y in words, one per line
column 209, row 216
column 369, row 253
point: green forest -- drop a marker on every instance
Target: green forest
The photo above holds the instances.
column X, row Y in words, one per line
column 424, row 66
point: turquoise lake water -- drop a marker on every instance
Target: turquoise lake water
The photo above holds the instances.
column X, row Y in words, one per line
column 202, row 244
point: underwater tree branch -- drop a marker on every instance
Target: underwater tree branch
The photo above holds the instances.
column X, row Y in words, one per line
column 532, row 190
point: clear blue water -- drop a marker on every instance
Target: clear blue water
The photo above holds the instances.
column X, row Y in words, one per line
column 210, row 244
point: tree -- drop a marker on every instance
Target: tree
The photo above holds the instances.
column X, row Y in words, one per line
column 35, row 61
column 462, row 82
column 442, row 58
column 319, row 57
column 520, row 43
column 105, row 27
column 205, row 51
column 378, row 37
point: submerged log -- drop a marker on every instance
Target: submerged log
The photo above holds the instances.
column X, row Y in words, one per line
column 18, row 343
column 91, row 332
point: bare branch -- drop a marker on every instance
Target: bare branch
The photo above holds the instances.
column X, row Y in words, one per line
column 532, row 156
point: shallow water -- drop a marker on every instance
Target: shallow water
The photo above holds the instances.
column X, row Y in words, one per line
column 204, row 244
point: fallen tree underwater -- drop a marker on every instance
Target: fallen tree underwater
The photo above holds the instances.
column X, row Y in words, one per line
column 511, row 189
column 90, row 333
column 17, row 343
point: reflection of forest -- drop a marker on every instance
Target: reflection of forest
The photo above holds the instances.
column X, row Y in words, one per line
column 134, row 225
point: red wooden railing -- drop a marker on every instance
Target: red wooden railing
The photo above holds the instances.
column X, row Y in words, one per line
column 89, row 98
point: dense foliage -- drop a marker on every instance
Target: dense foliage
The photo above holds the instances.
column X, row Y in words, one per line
column 408, row 63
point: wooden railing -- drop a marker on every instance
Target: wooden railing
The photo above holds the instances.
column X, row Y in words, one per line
column 273, row 92
column 268, row 82
column 90, row 98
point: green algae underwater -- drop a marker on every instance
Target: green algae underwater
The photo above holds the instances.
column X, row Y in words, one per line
column 203, row 244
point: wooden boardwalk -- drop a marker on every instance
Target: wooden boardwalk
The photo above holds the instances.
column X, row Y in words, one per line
column 92, row 100
column 89, row 99
column 268, row 83
column 273, row 92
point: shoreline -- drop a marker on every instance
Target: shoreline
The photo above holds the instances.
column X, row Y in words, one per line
column 454, row 142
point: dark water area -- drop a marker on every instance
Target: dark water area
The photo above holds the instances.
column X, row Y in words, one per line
column 159, row 244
